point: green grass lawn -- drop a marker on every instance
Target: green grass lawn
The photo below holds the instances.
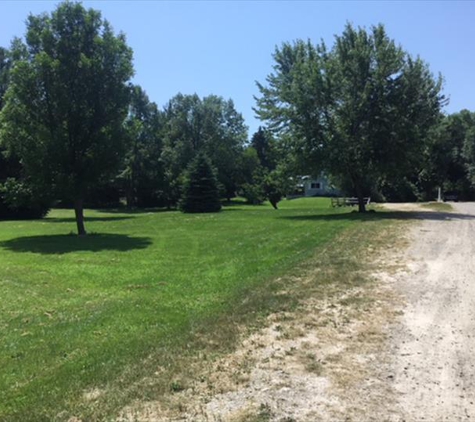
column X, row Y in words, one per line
column 107, row 310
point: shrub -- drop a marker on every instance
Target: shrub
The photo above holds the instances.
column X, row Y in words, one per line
column 19, row 201
column 273, row 191
column 254, row 193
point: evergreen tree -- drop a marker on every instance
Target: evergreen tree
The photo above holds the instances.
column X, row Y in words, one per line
column 263, row 143
column 200, row 191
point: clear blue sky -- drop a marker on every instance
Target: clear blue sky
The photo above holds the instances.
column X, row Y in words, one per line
column 223, row 47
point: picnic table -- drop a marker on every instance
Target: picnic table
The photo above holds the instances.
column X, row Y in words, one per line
column 348, row 202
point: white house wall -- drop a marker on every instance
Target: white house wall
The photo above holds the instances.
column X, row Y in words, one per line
column 324, row 189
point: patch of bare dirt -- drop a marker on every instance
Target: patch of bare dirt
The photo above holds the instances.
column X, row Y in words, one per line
column 409, row 207
column 317, row 363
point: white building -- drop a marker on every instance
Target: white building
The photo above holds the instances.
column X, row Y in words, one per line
column 315, row 186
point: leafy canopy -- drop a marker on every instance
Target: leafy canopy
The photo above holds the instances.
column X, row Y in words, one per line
column 141, row 174
column 359, row 111
column 210, row 125
column 67, row 100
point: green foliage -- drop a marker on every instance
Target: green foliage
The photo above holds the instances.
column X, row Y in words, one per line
column 253, row 192
column 142, row 174
column 252, row 177
column 200, row 190
column 275, row 187
column 19, row 201
column 104, row 194
column 360, row 111
column 264, row 145
column 210, row 125
column 272, row 186
column 258, row 183
column 448, row 162
column 19, row 197
column 468, row 150
column 67, row 100
column 5, row 64
column 249, row 166
column 397, row 190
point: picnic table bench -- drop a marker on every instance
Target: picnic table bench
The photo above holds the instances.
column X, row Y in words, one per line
column 345, row 202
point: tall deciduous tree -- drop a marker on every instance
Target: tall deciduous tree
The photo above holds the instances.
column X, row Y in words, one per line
column 359, row 111
column 18, row 198
column 5, row 64
column 446, row 164
column 469, row 146
column 210, row 125
column 142, row 173
column 67, row 101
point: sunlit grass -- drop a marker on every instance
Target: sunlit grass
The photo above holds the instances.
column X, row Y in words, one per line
column 438, row 206
column 104, row 311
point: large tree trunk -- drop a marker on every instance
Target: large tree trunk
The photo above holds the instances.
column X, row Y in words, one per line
column 79, row 212
column 361, row 201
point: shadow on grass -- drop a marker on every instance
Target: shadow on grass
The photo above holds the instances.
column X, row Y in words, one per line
column 86, row 219
column 235, row 203
column 384, row 215
column 131, row 211
column 63, row 243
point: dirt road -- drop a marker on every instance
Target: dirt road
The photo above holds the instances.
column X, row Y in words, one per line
column 433, row 346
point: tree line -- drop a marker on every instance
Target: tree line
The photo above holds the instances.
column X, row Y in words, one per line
column 75, row 132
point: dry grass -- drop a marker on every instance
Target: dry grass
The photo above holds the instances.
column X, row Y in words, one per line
column 439, row 206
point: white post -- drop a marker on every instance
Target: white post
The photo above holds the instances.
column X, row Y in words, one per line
column 439, row 196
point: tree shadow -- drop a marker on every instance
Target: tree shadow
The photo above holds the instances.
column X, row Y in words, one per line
column 63, row 243
column 234, row 203
column 86, row 219
column 226, row 209
column 384, row 215
column 132, row 211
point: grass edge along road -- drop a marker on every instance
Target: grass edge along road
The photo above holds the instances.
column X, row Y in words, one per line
column 146, row 294
column 330, row 338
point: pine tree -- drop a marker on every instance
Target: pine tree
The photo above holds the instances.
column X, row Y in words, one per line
column 200, row 193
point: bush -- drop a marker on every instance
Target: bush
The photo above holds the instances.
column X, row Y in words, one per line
column 200, row 189
column 254, row 193
column 400, row 190
column 19, row 201
column 273, row 190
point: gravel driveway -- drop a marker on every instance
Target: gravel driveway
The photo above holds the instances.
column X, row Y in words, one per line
column 433, row 346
